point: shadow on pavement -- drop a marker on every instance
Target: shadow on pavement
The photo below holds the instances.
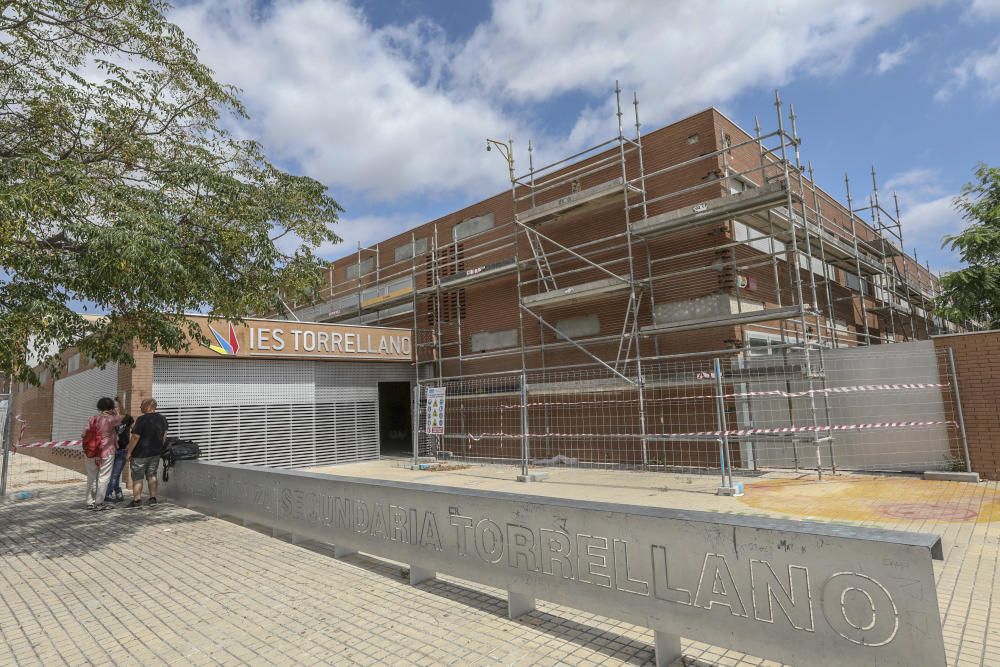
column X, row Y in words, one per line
column 496, row 605
column 56, row 523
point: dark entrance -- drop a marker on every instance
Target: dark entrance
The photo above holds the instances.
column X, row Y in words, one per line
column 395, row 422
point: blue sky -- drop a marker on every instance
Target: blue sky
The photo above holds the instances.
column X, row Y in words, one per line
column 389, row 103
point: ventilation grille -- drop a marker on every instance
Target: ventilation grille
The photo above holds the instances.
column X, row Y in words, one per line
column 452, row 306
column 281, row 436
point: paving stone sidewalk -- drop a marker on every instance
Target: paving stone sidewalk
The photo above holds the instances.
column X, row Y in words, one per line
column 165, row 585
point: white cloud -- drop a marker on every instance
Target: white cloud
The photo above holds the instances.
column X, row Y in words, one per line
column 365, row 230
column 981, row 69
column 351, row 105
column 925, row 225
column 984, row 9
column 888, row 60
column 403, row 111
column 924, row 182
column 680, row 57
column 927, row 214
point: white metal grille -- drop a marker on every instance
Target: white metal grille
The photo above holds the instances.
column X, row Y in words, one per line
column 286, row 414
column 75, row 399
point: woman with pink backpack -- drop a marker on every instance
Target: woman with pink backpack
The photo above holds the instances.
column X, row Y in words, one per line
column 100, row 440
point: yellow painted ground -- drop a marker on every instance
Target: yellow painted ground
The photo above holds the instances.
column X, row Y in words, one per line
column 876, row 499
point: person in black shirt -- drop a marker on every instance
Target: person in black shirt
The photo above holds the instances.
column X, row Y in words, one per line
column 123, row 432
column 148, row 437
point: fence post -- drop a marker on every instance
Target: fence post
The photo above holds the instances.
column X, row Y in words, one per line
column 727, row 488
column 5, row 439
column 524, row 426
column 958, row 406
column 416, row 425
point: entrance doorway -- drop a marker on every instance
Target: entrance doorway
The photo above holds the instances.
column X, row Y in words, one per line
column 395, row 419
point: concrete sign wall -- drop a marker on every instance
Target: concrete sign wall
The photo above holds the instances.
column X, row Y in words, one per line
column 796, row 592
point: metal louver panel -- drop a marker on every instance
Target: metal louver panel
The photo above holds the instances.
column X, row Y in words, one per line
column 75, row 399
column 178, row 381
column 283, row 414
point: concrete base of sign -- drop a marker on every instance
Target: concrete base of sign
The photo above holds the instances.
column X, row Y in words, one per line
column 343, row 552
column 952, row 476
column 533, row 477
column 519, row 604
column 667, row 647
column 419, row 575
column 734, row 490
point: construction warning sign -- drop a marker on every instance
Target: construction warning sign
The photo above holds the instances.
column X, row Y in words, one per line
column 435, row 410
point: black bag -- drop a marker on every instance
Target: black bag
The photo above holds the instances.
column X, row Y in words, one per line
column 178, row 450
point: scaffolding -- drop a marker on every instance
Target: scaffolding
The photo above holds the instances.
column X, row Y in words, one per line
column 736, row 237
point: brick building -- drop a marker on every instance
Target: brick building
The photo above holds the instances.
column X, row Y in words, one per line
column 681, row 239
column 698, row 238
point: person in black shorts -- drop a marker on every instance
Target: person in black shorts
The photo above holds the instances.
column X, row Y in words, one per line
column 123, row 433
column 149, row 434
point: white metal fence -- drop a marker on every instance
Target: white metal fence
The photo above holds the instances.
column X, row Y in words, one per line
column 890, row 408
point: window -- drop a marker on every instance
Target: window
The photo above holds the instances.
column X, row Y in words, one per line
column 355, row 269
column 473, row 226
column 406, row 251
column 494, row 340
column 756, row 240
column 397, row 286
column 73, row 364
column 759, row 345
column 344, row 303
column 576, row 327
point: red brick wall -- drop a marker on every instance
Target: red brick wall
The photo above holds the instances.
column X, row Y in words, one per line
column 977, row 363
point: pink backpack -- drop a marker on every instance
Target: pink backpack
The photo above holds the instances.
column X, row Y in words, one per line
column 92, row 440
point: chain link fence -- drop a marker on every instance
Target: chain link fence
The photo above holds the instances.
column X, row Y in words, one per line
column 30, row 464
column 889, row 409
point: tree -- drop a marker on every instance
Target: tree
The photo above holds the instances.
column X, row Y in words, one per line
column 973, row 293
column 123, row 185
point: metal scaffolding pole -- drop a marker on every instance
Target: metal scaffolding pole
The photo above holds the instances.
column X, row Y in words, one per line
column 831, row 315
column 770, row 234
column 862, row 283
column 633, row 306
column 793, row 262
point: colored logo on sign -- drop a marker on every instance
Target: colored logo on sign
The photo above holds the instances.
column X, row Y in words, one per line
column 225, row 347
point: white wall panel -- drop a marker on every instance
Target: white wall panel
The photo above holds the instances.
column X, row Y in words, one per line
column 75, row 400
column 178, row 381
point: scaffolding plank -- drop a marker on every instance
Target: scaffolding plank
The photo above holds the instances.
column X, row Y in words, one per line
column 577, row 202
column 721, row 208
column 726, row 320
column 494, row 270
column 386, row 300
column 577, row 293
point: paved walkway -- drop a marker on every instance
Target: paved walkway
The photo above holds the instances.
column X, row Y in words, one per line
column 165, row 585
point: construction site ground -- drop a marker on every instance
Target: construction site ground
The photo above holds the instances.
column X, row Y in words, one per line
column 166, row 585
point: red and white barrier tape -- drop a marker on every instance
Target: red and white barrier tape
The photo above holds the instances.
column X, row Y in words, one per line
column 777, row 393
column 776, row 430
column 55, row 443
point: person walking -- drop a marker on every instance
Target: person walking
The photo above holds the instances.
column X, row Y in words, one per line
column 101, row 432
column 149, row 434
column 124, row 434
